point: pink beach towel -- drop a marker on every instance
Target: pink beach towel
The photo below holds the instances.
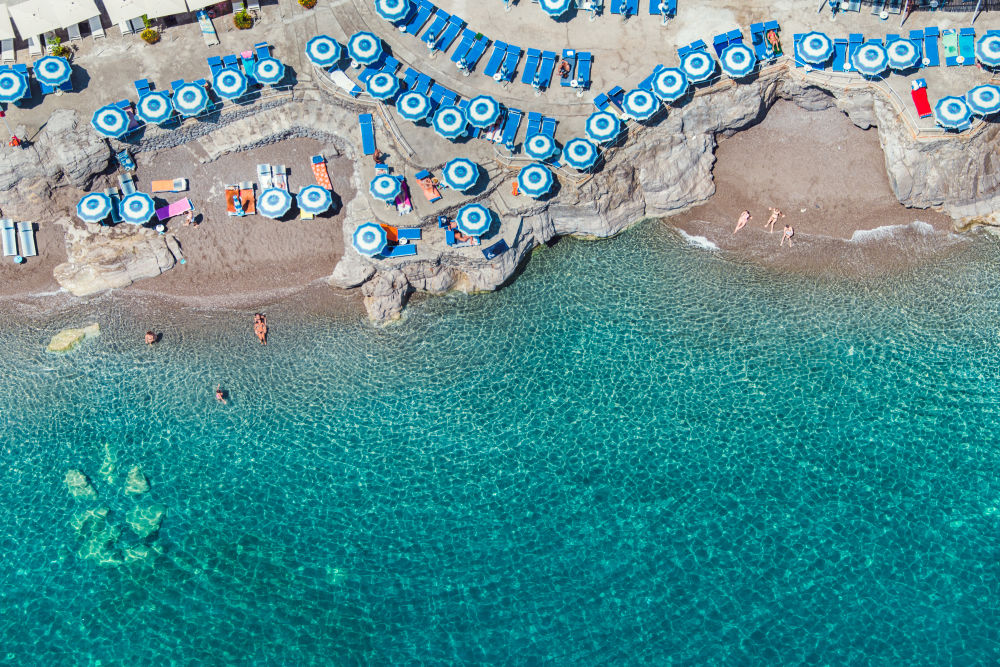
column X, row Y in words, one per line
column 170, row 210
column 403, row 203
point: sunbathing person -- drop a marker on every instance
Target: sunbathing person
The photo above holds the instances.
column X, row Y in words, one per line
column 772, row 39
column 260, row 328
column 745, row 217
column 564, row 70
column 462, row 238
column 775, row 214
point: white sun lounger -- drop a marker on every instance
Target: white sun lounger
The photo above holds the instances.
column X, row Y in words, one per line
column 279, row 176
column 207, row 29
column 74, row 33
column 126, row 183
column 264, row 176
column 34, row 47
column 253, row 5
column 9, row 239
column 175, row 185
column 96, row 28
column 7, row 52
column 26, row 235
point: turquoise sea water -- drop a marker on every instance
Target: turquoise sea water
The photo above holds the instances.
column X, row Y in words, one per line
column 638, row 453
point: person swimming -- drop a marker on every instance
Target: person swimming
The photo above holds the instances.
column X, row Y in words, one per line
column 260, row 327
column 150, row 338
column 220, row 395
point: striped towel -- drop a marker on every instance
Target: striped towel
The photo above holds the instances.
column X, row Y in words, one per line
column 207, row 29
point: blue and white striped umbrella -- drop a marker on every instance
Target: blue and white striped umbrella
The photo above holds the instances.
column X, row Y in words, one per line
column 698, row 66
column 190, row 99
column 483, row 111
column 580, row 153
column 364, row 48
column 474, row 219
column 392, row 10
column 535, row 180
column 815, row 48
column 94, row 207
column 369, row 239
column 603, row 126
column 137, row 208
column 870, row 59
column 738, row 61
column 460, row 174
column 314, row 199
column 540, row 146
column 413, row 106
column 110, row 121
column 323, row 50
column 640, row 104
column 384, row 187
column 988, row 50
column 382, row 85
column 13, row 85
column 952, row 112
column 670, row 84
column 154, row 107
column 555, row 8
column 230, row 83
column 903, row 54
column 984, row 100
column 53, row 70
column 274, row 203
column 449, row 122
column 269, row 70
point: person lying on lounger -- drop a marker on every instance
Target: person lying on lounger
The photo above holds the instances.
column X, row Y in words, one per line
column 564, row 70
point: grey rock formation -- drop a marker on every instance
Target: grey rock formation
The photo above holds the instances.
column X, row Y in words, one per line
column 78, row 484
column 145, row 521
column 73, row 154
column 136, row 483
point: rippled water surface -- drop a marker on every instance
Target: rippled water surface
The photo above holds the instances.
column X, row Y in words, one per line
column 638, row 453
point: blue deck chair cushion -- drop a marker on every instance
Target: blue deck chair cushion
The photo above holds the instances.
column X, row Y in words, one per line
column 510, row 61
column 496, row 58
column 545, row 68
column 495, row 250
column 568, row 56
column 510, row 126
column 367, row 134
column 530, row 66
column 437, row 25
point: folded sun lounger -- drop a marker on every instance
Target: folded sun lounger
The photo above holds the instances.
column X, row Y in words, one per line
column 9, row 238
column 176, row 185
column 26, row 235
column 176, row 208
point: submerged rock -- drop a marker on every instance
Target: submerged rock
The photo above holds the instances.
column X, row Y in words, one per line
column 78, row 484
column 145, row 521
column 107, row 471
column 67, row 339
column 136, row 482
column 85, row 523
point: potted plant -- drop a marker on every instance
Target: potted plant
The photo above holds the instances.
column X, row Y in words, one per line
column 242, row 19
column 308, row 4
column 57, row 48
column 150, row 35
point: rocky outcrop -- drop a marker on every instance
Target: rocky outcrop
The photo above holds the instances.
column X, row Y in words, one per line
column 145, row 521
column 67, row 339
column 103, row 258
column 78, row 485
column 136, row 483
column 73, row 152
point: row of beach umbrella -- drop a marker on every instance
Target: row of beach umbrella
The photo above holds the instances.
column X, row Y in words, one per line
column 370, row 239
column 363, row 48
column 50, row 71
column 872, row 58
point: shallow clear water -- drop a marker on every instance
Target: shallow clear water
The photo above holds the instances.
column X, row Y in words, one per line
column 637, row 453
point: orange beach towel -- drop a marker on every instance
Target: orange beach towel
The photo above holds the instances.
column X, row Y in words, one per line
column 391, row 233
column 321, row 173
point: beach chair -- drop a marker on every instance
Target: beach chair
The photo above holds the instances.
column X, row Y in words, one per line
column 917, row 37
column 96, row 28
column 9, row 238
column 757, row 41
column 468, row 37
column 234, row 204
column 545, row 68
column 531, row 66
column 230, row 61
column 918, row 92
column 447, row 38
column 419, row 18
column 264, row 176
column 262, row 50
column 431, row 191
column 617, row 96
column 510, row 125
column 949, row 42
column 249, row 64
column 796, row 40
column 647, row 83
column 207, row 29
column 568, row 56
column 476, row 52
column 434, row 30
column 176, row 208
column 177, row 83
column 389, row 65
column 367, row 134
column 73, row 32
column 26, row 235
column 534, row 124
column 509, row 67
column 840, row 63
column 320, row 172
column 719, row 43
column 7, row 52
column 247, row 198
column 424, row 83
column 126, row 183
column 34, row 46
column 344, row 82
column 215, row 64
column 583, row 66
column 967, row 46
column 174, row 185
column 441, row 95
column 279, row 176
column 410, row 78
column 142, row 87
column 932, row 57
column 548, row 127
column 496, row 59
column 497, row 249
column 408, row 233
column 399, row 251
column 116, row 201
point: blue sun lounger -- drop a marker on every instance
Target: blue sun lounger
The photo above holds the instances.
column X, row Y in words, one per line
column 441, row 95
column 417, row 81
column 143, row 87
column 840, row 55
column 468, row 37
column 408, row 233
column 568, row 56
column 510, row 60
column 399, row 251
column 127, row 184
column 231, row 61
column 917, row 37
column 496, row 58
column 797, row 39
column 967, row 45
column 434, row 30
column 854, row 42
column 545, row 68
column 584, row 62
column 530, row 66
column 367, row 134
column 647, row 83
column 549, row 127
column 931, row 53
column 446, row 39
column 661, row 7
column 419, row 17
column 510, row 125
column 116, row 202
column 471, row 130
column 476, row 52
column 534, row 124
column 625, row 7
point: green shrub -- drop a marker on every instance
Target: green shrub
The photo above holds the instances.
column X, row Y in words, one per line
column 308, row 4
column 242, row 20
column 150, row 36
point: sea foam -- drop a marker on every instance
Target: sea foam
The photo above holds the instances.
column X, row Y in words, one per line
column 888, row 231
column 697, row 241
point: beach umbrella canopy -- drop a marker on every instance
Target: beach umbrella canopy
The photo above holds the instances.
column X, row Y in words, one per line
column 392, row 10
column 323, row 50
column 154, row 107
column 52, row 70
column 535, row 180
column 603, row 126
column 269, row 70
column 670, row 84
column 698, row 66
column 540, row 146
column 449, row 122
column 474, row 219
column 190, row 99
column 364, row 47
column 110, row 121
column 738, row 61
column 952, row 112
column 230, row 83
column 274, row 203
column 988, row 50
column 555, row 8
column 903, row 54
column 413, row 106
column 984, row 100
column 314, row 199
column 384, row 187
column 94, row 207
column 580, row 153
column 815, row 48
column 483, row 111
column 13, row 86
column 870, row 59
column 369, row 239
column 382, row 85
column 460, row 174
column 137, row 208
column 640, row 104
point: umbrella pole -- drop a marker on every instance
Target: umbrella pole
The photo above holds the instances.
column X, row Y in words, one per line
column 975, row 14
